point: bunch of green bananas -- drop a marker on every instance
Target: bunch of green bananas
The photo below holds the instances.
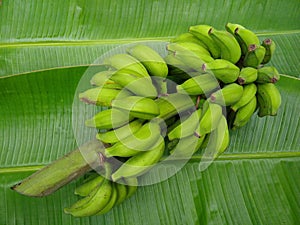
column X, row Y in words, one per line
column 210, row 81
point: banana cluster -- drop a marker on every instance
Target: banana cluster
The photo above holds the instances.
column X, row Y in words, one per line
column 210, row 81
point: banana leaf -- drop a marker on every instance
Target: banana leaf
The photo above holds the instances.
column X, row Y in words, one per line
column 47, row 46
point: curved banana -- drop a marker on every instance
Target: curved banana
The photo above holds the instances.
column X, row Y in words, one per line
column 121, row 192
column 248, row 93
column 267, row 74
column 127, row 64
column 223, row 70
column 112, row 201
column 188, row 37
column 270, row 46
column 228, row 95
column 87, row 187
column 109, row 118
column 254, row 56
column 102, row 79
column 247, row 75
column 231, row 27
column 201, row 32
column 131, row 184
column 246, row 38
column 140, row 163
column 118, row 134
column 269, row 99
column 229, row 47
column 243, row 115
column 152, row 61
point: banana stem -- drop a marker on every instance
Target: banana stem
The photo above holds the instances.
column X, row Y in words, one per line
column 62, row 171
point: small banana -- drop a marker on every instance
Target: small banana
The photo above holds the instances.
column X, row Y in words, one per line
column 152, row 61
column 137, row 85
column 118, row 134
column 248, row 93
column 127, row 64
column 269, row 99
column 140, row 163
column 223, row 70
column 201, row 84
column 188, row 37
column 137, row 106
column 231, row 27
column 102, row 79
column 187, row 127
column 270, row 46
column 109, row 118
column 132, row 184
column 247, row 75
column 243, row 114
column 201, row 32
column 229, row 47
column 228, row 95
column 112, row 201
column 211, row 115
column 142, row 140
column 121, row 192
column 102, row 96
column 267, row 74
column 87, row 187
column 254, row 56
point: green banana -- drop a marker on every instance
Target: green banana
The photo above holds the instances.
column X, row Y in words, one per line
column 87, row 187
column 140, row 163
column 243, row 115
column 223, row 70
column 118, row 134
column 144, row 139
column 210, row 119
column 187, row 127
column 201, row 32
column 109, row 118
column 228, row 95
column 137, row 106
column 102, row 96
column 188, row 37
column 201, row 84
column 247, row 75
column 137, row 85
column 229, row 47
column 248, row 93
column 231, row 27
column 270, row 46
column 102, row 79
column 127, row 64
column 122, row 193
column 267, row 74
column 112, row 201
column 269, row 99
column 151, row 60
column 254, row 56
column 132, row 184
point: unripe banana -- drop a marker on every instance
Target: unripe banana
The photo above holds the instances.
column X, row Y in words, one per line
column 229, row 47
column 152, row 61
column 223, row 70
column 108, row 119
column 137, row 106
column 231, row 27
column 102, row 96
column 144, row 139
column 140, row 163
column 201, row 32
column 254, row 56
column 267, row 74
column 112, row 201
column 127, row 64
column 102, row 79
column 188, row 37
column 243, row 115
column 118, row 134
column 211, row 115
column 270, row 46
column 87, row 187
column 137, row 85
column 228, row 95
column 187, row 127
column 201, row 84
column 247, row 75
column 248, row 93
column 121, row 192
column 176, row 63
column 269, row 99
column 132, row 184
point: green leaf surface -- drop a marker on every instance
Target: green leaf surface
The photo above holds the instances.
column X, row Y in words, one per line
column 46, row 47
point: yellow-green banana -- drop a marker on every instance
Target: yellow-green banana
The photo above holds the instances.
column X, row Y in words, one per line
column 254, row 56
column 201, row 32
column 243, row 114
column 222, row 69
column 152, row 61
column 228, row 95
column 247, row 75
column 187, row 37
column 112, row 201
column 122, row 193
column 87, row 187
column 269, row 99
column 102, row 79
column 137, row 106
column 267, row 74
column 231, row 27
column 248, row 93
column 270, row 46
column 229, row 47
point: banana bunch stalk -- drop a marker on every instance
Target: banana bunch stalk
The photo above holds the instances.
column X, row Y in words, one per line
column 210, row 81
